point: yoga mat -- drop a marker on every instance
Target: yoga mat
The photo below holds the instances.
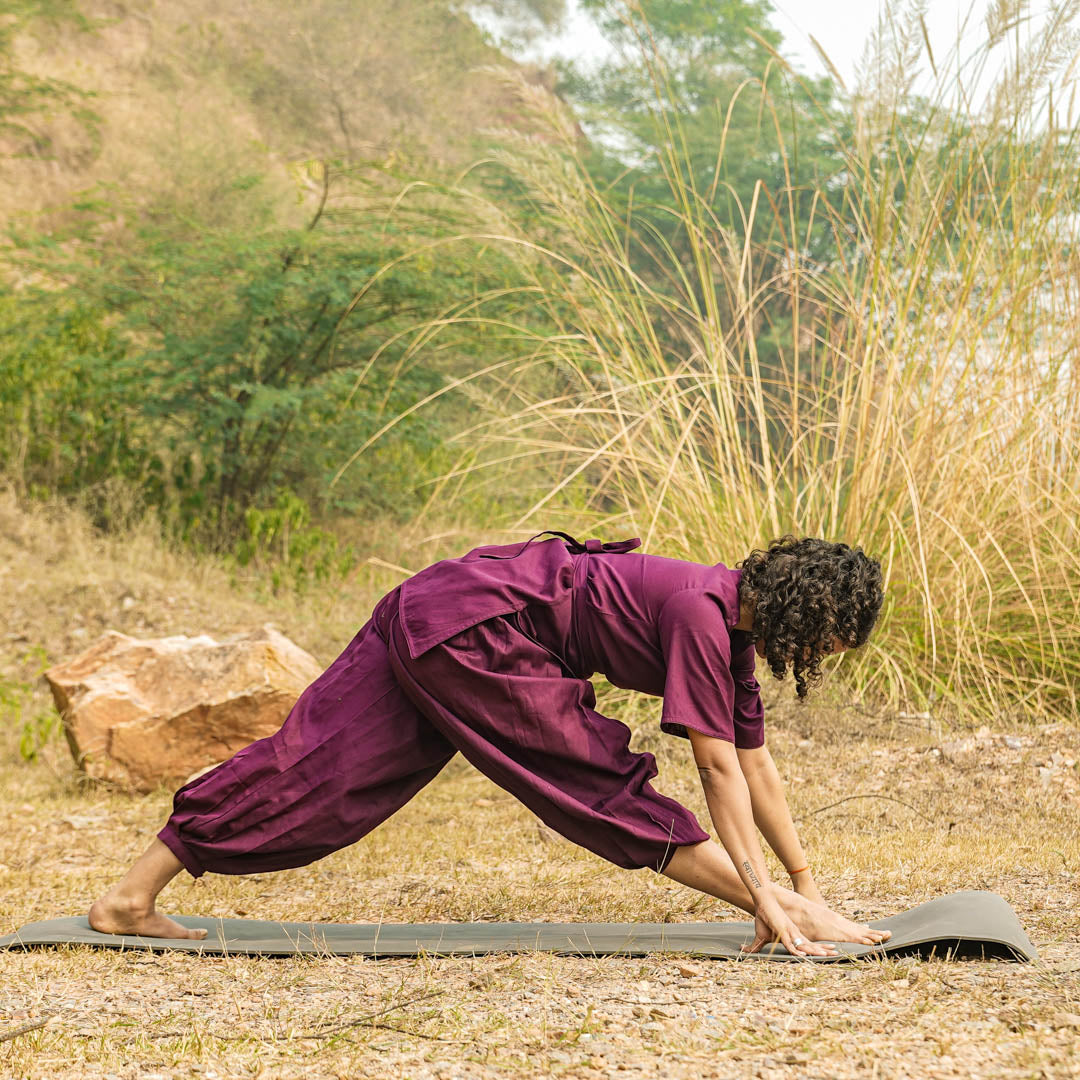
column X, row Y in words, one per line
column 967, row 924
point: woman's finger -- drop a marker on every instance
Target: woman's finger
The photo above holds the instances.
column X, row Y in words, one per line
column 804, row 948
column 797, row 945
column 817, row 948
column 789, row 941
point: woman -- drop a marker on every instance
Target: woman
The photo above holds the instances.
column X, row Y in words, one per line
column 490, row 655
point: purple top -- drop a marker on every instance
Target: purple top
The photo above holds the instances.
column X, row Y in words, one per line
column 648, row 623
column 665, row 627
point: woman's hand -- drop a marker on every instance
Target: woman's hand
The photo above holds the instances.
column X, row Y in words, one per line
column 772, row 924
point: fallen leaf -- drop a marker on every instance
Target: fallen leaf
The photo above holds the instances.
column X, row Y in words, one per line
column 688, row 972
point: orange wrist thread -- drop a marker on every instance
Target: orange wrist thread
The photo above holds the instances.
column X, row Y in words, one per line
column 792, row 873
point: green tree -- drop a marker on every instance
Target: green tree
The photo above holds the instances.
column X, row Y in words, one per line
column 695, row 101
column 65, row 419
column 243, row 364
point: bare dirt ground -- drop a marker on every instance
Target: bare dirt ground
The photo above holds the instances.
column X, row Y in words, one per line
column 894, row 810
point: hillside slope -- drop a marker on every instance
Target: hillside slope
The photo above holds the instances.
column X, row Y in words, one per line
column 188, row 94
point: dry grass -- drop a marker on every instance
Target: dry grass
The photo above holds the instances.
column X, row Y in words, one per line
column 911, row 413
column 64, row 582
column 922, row 399
column 984, row 816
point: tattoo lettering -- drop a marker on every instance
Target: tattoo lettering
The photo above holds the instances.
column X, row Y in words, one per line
column 750, row 874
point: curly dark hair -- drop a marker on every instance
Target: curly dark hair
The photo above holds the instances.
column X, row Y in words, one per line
column 805, row 593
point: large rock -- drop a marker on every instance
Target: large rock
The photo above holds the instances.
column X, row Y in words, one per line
column 140, row 713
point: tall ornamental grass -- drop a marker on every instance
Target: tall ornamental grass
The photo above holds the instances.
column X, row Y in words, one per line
column 919, row 395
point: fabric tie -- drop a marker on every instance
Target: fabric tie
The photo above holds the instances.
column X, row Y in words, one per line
column 576, row 547
column 615, row 546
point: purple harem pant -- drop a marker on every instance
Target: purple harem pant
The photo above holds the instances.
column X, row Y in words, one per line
column 377, row 726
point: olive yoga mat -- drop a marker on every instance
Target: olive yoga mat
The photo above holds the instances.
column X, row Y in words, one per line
column 969, row 924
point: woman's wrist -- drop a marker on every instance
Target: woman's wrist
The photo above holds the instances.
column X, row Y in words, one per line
column 803, row 883
column 770, row 890
column 801, row 872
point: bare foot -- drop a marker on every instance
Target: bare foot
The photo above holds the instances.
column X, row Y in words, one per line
column 821, row 923
column 115, row 913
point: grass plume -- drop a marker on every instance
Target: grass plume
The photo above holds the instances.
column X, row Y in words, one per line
column 920, row 397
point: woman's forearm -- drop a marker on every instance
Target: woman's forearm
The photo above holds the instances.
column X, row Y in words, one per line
column 770, row 808
column 731, row 809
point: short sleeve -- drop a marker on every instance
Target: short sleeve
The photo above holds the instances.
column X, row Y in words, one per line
column 699, row 691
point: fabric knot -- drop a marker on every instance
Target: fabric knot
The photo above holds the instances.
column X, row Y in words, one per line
column 597, row 547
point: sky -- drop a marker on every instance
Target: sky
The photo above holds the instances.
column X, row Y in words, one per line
column 841, row 27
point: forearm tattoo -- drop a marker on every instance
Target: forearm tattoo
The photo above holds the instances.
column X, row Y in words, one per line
column 750, row 874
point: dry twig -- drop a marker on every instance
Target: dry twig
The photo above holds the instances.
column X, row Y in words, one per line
column 848, row 798
column 22, row 1029
column 365, row 1021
